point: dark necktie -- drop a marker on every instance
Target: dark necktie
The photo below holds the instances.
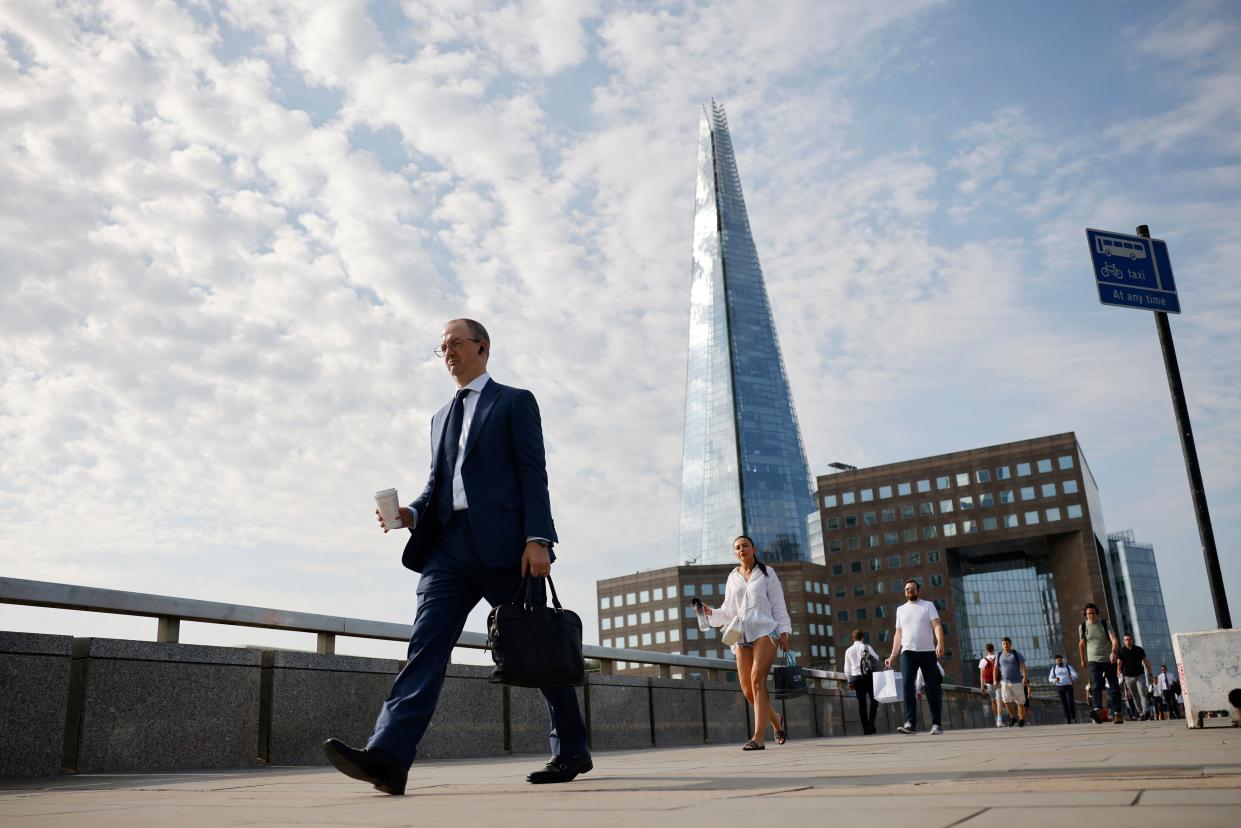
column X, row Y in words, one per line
column 451, row 444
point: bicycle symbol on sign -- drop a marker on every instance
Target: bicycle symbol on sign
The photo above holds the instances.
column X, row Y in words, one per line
column 1111, row 271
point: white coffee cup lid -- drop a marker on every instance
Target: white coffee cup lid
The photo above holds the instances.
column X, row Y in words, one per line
column 385, row 493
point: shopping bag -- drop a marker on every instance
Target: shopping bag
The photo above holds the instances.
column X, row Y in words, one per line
column 788, row 679
column 534, row 645
column 888, row 686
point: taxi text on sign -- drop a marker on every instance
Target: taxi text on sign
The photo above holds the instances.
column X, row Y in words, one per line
column 1132, row 271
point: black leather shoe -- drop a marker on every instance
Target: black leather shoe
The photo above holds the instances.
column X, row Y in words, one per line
column 562, row 769
column 374, row 766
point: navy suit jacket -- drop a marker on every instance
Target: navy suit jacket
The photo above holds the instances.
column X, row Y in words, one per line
column 505, row 475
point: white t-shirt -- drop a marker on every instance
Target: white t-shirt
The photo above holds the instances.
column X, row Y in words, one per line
column 914, row 619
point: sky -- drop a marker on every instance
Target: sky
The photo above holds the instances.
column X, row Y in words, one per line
column 231, row 232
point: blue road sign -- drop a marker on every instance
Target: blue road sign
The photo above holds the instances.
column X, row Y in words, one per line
column 1132, row 271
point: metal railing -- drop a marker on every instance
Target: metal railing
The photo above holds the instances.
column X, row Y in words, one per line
column 171, row 611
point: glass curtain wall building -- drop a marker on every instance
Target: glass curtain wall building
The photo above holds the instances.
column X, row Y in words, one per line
column 744, row 467
column 1139, row 596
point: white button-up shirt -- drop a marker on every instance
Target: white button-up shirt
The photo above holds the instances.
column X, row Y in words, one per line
column 759, row 602
column 853, row 658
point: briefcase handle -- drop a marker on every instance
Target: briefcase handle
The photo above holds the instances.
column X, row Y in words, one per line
column 525, row 590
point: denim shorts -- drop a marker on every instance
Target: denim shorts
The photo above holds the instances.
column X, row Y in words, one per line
column 775, row 639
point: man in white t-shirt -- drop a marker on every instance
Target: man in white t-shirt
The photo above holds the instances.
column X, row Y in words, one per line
column 919, row 641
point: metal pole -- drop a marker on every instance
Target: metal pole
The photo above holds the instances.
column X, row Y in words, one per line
column 1196, row 490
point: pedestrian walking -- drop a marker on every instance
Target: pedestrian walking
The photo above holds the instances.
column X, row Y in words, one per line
column 1062, row 676
column 988, row 684
column 860, row 663
column 1097, row 648
column 1132, row 659
column 919, row 641
column 1014, row 678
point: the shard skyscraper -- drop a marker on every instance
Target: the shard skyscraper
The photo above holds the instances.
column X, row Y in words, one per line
column 744, row 468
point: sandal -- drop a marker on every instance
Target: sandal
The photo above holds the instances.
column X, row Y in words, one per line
column 753, row 745
column 781, row 736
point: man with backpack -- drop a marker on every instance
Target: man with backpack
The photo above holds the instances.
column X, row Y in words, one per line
column 988, row 684
column 860, row 663
column 1098, row 647
column 1010, row 666
column 1062, row 676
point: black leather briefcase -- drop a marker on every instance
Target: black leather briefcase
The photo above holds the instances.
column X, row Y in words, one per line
column 534, row 645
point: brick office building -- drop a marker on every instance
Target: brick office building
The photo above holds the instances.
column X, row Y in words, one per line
column 1005, row 540
column 650, row 610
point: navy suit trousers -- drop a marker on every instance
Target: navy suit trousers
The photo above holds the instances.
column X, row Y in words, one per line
column 453, row 582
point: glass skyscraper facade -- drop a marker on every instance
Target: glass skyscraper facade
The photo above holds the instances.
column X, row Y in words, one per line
column 744, row 467
column 1139, row 597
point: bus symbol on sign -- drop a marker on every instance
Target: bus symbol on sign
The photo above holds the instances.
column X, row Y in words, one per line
column 1112, row 246
column 1132, row 271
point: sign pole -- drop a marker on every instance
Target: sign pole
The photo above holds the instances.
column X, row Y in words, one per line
column 1197, row 492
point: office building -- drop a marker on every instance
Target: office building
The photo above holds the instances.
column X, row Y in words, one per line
column 650, row 611
column 744, row 467
column 1139, row 607
column 1006, row 540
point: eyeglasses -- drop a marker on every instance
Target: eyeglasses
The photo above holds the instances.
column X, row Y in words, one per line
column 441, row 351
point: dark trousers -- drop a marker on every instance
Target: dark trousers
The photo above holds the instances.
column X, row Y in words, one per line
column 453, row 581
column 864, row 688
column 1067, row 702
column 1100, row 670
column 911, row 662
column 1169, row 704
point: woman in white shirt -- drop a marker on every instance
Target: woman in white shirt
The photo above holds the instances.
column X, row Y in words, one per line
column 753, row 594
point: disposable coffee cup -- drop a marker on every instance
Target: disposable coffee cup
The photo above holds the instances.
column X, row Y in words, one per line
column 389, row 508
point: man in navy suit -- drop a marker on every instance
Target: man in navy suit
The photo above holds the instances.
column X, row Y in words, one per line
column 482, row 521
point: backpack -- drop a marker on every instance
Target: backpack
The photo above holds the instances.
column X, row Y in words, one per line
column 867, row 663
column 1082, row 628
column 988, row 672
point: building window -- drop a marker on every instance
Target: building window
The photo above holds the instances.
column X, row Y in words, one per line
column 983, row 475
column 607, row 642
column 1027, row 492
column 907, row 511
column 646, row 639
column 933, row 556
column 894, row 561
column 834, row 545
column 1006, row 496
column 945, row 506
column 943, row 482
column 659, row 593
column 1002, row 473
column 855, row 566
column 862, row 615
column 691, row 634
column 881, row 612
column 846, row 498
column 1031, row 518
column 646, row 618
column 631, row 619
column 969, row 527
column 950, row 530
column 890, row 539
column 1044, row 466
column 605, row 602
column 838, row 569
column 941, row 605
column 937, row 580
column 896, row 587
column 1023, row 469
column 1053, row 514
column 885, row 492
column 888, row 515
column 660, row 637
column 1010, row 521
column 879, row 588
column 618, row 621
column 807, row 587
column 633, row 641
column 859, row 589
column 672, row 592
column 708, row 589
column 914, row 559
column 885, row 636
column 924, row 486
column 967, row 502
column 868, row 518
column 829, row 501
column 872, row 541
column 840, row 591
column 605, row 622
column 903, row 489
column 963, row 478
column 833, row 523
column 926, row 508
column 1066, row 462
column 1069, row 486
column 868, row 495
column 659, row 615
column 842, row 615
column 1049, row 490
column 875, row 564
column 1073, row 510
column 673, row 613
column 631, row 599
column 909, row 535
column 644, row 596
column 989, row 524
column 674, row 635
column 850, row 521
column 985, row 500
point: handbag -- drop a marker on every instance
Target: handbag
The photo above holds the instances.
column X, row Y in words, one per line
column 731, row 633
column 789, row 680
column 887, row 686
column 534, row 645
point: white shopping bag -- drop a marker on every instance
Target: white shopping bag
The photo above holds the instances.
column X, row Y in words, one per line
column 888, row 686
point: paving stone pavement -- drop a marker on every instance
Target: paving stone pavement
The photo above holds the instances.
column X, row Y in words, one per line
column 1131, row 775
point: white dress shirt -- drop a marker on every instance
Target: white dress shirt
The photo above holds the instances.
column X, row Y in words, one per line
column 853, row 658
column 467, row 416
column 759, row 602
